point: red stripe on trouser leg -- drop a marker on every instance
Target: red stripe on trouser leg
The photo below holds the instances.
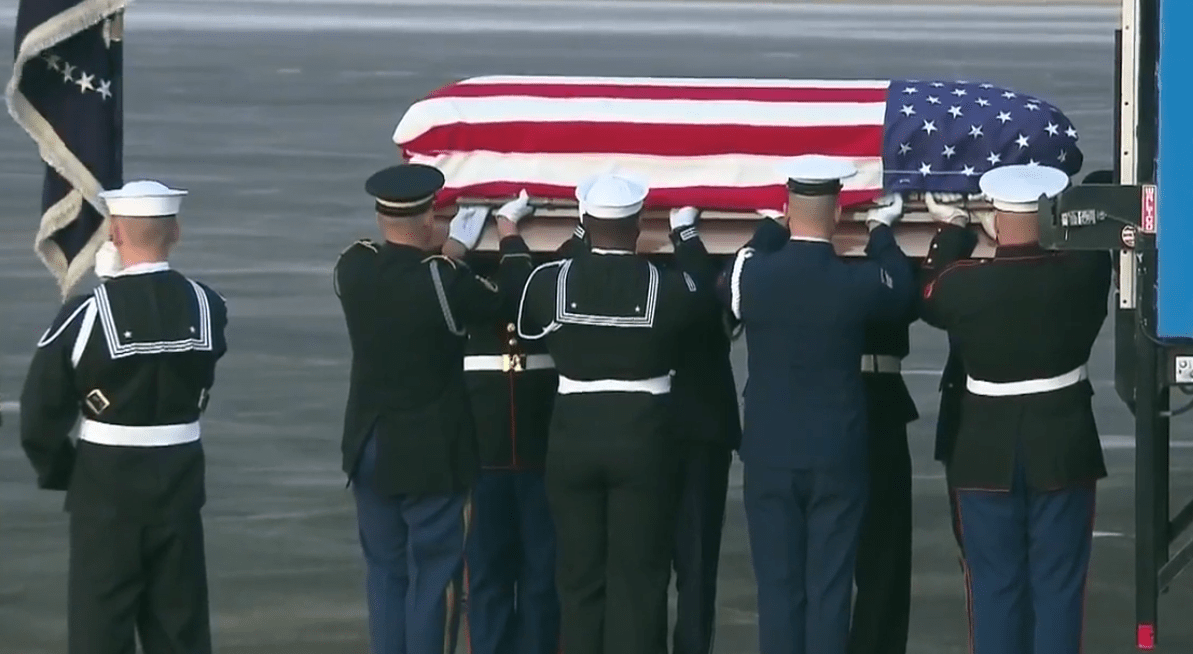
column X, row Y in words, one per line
column 965, row 570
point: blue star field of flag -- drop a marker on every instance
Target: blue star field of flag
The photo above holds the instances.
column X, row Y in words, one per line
column 942, row 136
column 74, row 86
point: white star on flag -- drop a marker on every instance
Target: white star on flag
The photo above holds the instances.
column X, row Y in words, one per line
column 1021, row 141
column 1053, row 129
column 975, row 131
column 105, row 89
column 84, row 82
column 1008, row 95
column 994, row 158
column 959, row 92
column 968, row 171
column 907, row 110
column 949, row 151
column 925, row 169
column 911, row 89
column 1031, row 106
column 1004, row 117
column 1071, row 133
column 955, row 111
column 904, row 148
column 983, row 102
column 932, row 99
column 929, row 126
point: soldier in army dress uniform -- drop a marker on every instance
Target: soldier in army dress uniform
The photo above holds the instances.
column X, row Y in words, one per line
column 137, row 356
column 805, row 439
column 1026, row 456
column 409, row 444
column 612, row 322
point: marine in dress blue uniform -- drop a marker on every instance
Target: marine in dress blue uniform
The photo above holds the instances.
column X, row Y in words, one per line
column 613, row 323
column 882, row 609
column 1026, row 455
column 409, row 442
column 804, row 445
column 512, row 606
column 137, row 357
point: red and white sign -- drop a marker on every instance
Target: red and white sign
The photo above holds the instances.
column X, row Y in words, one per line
column 1148, row 214
column 1128, row 237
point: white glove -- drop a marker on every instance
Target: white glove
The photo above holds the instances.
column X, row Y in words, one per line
column 683, row 217
column 943, row 208
column 985, row 217
column 889, row 209
column 467, row 225
column 107, row 261
column 770, row 213
column 516, row 209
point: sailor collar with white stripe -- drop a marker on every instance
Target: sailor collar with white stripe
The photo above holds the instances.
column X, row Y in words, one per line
column 144, row 268
column 607, row 251
column 811, row 239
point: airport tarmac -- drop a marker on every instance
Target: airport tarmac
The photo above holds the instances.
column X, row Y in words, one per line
column 273, row 120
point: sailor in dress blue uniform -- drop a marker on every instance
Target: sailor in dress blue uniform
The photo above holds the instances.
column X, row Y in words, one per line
column 137, row 357
column 804, row 445
column 409, row 444
column 613, row 323
column 1026, row 454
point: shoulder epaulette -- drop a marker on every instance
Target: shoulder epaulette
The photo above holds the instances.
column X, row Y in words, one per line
column 442, row 257
column 365, row 243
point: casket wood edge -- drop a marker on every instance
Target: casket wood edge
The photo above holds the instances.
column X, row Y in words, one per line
column 723, row 232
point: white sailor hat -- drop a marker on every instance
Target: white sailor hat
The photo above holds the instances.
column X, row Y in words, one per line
column 814, row 174
column 143, row 199
column 1017, row 189
column 612, row 195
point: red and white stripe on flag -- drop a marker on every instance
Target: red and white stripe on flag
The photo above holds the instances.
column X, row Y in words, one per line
column 709, row 143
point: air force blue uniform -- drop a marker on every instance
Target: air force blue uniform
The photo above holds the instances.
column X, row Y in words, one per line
column 804, row 444
column 409, row 443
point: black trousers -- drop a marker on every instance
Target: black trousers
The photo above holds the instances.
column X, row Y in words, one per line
column 614, row 514
column 130, row 579
column 703, row 485
column 882, row 608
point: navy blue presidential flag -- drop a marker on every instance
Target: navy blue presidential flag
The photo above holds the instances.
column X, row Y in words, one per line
column 65, row 91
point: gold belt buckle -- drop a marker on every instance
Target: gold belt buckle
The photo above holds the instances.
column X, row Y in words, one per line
column 519, row 362
column 506, row 363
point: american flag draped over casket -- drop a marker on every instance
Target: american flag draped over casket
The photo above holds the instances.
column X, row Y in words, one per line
column 714, row 143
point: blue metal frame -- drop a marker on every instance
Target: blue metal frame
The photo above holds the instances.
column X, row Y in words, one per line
column 1174, row 238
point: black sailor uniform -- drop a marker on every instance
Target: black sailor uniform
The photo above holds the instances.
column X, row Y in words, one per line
column 614, row 323
column 137, row 358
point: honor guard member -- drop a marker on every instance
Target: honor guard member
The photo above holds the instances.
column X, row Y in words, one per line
column 512, row 606
column 612, row 322
column 882, row 608
column 136, row 356
column 409, row 443
column 804, row 446
column 707, row 425
column 1027, row 454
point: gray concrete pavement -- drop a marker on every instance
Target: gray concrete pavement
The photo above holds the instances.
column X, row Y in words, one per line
column 273, row 126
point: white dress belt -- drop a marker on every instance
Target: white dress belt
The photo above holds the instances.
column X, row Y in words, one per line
column 884, row 363
column 497, row 362
column 1027, row 387
column 102, row 433
column 654, row 386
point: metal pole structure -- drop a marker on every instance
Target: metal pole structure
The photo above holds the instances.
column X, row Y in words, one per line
column 1151, row 395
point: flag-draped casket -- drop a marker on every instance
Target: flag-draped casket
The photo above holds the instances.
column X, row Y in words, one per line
column 715, row 143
